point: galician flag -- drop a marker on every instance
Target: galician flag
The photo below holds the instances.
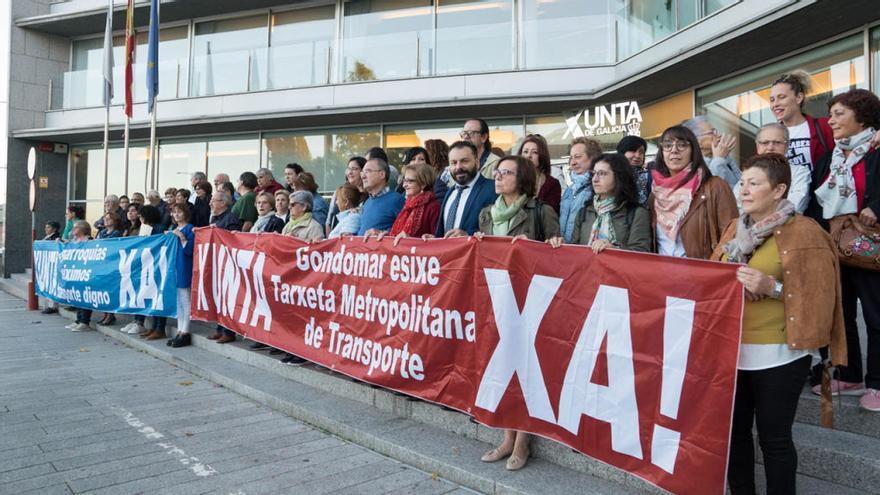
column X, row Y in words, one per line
column 108, row 56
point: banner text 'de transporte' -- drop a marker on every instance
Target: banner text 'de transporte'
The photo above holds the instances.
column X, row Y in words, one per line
column 131, row 275
column 629, row 358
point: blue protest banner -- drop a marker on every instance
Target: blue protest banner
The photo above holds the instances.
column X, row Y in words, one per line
column 131, row 275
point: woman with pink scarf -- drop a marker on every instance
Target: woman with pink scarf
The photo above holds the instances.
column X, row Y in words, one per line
column 689, row 206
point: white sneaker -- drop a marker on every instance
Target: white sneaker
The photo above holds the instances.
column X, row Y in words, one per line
column 135, row 329
column 126, row 328
column 71, row 325
column 81, row 327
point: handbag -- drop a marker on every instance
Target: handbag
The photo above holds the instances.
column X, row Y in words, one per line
column 858, row 246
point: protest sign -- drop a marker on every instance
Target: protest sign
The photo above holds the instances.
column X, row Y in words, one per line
column 627, row 357
column 132, row 275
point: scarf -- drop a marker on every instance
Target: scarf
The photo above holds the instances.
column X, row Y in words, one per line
column 262, row 221
column 410, row 218
column 837, row 194
column 750, row 236
column 642, row 176
column 501, row 213
column 296, row 222
column 672, row 200
column 602, row 228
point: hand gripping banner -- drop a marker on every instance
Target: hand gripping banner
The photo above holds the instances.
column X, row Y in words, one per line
column 131, row 275
column 629, row 358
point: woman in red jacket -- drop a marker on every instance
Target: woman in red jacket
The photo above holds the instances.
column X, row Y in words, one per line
column 421, row 210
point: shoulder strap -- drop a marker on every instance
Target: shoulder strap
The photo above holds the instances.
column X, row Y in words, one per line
column 539, row 220
column 819, row 135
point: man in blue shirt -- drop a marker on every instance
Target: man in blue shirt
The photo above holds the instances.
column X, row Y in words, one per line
column 384, row 204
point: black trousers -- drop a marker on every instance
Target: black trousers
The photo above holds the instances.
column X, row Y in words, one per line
column 864, row 286
column 221, row 330
column 771, row 397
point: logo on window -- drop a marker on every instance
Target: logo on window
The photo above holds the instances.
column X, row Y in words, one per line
column 618, row 118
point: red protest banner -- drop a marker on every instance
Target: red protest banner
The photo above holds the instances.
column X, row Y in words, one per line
column 629, row 358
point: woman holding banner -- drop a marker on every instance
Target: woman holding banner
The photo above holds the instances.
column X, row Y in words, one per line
column 689, row 207
column 793, row 307
column 613, row 218
column 515, row 214
column 180, row 214
column 112, row 228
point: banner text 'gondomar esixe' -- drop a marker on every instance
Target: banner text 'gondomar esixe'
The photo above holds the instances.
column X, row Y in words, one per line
column 629, row 358
column 131, row 275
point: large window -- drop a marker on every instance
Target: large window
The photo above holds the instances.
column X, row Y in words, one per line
column 300, row 47
column 233, row 155
column 474, row 36
column 324, row 153
column 875, row 55
column 641, row 23
column 741, row 105
column 229, row 56
column 566, row 33
column 87, row 175
column 84, row 87
column 387, row 39
column 177, row 162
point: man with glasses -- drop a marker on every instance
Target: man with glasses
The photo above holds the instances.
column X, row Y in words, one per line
column 223, row 218
column 384, row 204
column 460, row 209
column 476, row 131
column 716, row 148
column 774, row 138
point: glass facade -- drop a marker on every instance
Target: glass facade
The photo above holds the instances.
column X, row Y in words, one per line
column 301, row 44
column 504, row 134
column 554, row 34
column 83, row 85
column 474, row 36
column 377, row 40
column 229, row 55
column 741, row 105
column 324, row 153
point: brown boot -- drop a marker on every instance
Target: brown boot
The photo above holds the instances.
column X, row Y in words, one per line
column 226, row 339
column 214, row 336
column 156, row 335
column 146, row 333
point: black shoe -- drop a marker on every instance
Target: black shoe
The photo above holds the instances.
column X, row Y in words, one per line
column 292, row 360
column 168, row 342
column 258, row 346
column 48, row 311
column 181, row 340
column 276, row 352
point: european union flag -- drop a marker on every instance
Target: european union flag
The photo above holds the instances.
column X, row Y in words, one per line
column 153, row 56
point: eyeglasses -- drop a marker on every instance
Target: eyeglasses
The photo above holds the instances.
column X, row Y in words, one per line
column 503, row 172
column 601, row 173
column 678, row 145
column 768, row 142
column 578, row 157
column 352, row 169
column 466, row 134
column 369, row 171
column 409, row 181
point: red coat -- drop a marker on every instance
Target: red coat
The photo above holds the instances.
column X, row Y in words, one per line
column 272, row 188
column 551, row 193
column 817, row 151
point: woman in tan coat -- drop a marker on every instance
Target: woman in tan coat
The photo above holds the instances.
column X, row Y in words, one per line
column 791, row 276
column 689, row 207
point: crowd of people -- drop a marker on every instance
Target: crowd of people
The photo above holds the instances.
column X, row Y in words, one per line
column 772, row 215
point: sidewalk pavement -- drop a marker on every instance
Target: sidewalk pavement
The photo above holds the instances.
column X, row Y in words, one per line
column 80, row 413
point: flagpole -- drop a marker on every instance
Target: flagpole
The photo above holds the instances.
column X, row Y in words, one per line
column 127, row 128
column 153, row 145
column 106, row 145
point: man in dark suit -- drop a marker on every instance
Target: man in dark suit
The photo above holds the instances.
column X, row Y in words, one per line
column 223, row 218
column 460, row 210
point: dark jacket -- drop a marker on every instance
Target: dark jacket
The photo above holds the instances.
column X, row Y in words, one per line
column 871, row 200
column 274, row 224
column 200, row 213
column 482, row 195
column 551, row 193
column 525, row 221
column 631, row 224
column 165, row 216
column 227, row 221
